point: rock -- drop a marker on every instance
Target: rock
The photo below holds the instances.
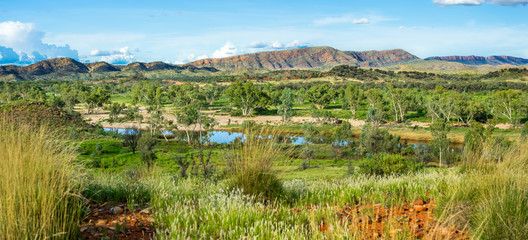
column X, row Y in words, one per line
column 117, row 210
column 420, row 208
column 151, row 220
column 145, row 211
column 100, row 223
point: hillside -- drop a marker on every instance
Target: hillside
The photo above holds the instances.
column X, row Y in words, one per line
column 64, row 67
column 310, row 57
column 314, row 58
column 478, row 60
column 37, row 114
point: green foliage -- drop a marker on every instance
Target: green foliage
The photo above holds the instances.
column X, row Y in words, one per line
column 507, row 103
column 354, row 72
column 320, row 95
column 97, row 99
column 146, row 144
column 374, row 140
column 246, row 97
column 127, row 187
column 386, row 164
column 439, row 129
column 286, row 106
column 131, row 139
column 352, row 98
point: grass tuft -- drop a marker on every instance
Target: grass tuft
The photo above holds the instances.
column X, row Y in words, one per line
column 39, row 187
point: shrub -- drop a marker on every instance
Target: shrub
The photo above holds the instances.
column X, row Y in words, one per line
column 39, row 185
column 375, row 140
column 384, row 164
column 146, row 144
column 249, row 166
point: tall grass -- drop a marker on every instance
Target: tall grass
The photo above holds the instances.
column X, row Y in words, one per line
column 502, row 210
column 492, row 201
column 250, row 163
column 39, row 192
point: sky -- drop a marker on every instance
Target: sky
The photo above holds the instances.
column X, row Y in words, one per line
column 177, row 32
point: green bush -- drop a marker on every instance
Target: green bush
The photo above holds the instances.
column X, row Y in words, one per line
column 384, row 164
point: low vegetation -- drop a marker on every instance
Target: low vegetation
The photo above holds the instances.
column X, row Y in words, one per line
column 322, row 177
column 40, row 185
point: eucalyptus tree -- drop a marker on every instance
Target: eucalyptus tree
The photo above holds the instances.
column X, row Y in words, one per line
column 320, row 95
column 439, row 129
column 115, row 109
column 399, row 100
column 375, row 112
column 286, row 106
column 246, row 96
column 352, row 98
column 97, row 99
column 506, row 103
column 211, row 92
column 300, row 96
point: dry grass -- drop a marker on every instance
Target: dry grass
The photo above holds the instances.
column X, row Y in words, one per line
column 39, row 195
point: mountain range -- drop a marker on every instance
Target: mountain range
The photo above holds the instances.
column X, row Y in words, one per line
column 302, row 58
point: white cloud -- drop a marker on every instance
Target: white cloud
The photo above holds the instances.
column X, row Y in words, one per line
column 26, row 40
column 8, row 55
column 458, row 2
column 361, row 21
column 190, row 58
column 340, row 20
column 276, row 45
column 227, row 50
column 258, row 44
column 480, row 2
column 121, row 56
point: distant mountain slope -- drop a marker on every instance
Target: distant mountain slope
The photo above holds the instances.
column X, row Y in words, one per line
column 60, row 67
column 101, row 67
column 478, row 60
column 310, row 57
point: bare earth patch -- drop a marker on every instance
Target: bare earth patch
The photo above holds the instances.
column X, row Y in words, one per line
column 117, row 222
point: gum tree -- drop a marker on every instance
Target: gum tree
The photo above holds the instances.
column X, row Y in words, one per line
column 246, row 97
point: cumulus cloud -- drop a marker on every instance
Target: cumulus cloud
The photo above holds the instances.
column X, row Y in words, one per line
column 480, row 2
column 190, row 58
column 8, row 55
column 276, row 45
column 227, row 50
column 259, row 44
column 121, row 56
column 340, row 20
column 26, row 40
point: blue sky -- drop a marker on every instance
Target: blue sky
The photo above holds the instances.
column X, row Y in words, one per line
column 181, row 31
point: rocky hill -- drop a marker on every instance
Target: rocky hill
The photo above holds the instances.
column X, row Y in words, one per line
column 310, row 57
column 59, row 67
column 478, row 60
column 302, row 58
